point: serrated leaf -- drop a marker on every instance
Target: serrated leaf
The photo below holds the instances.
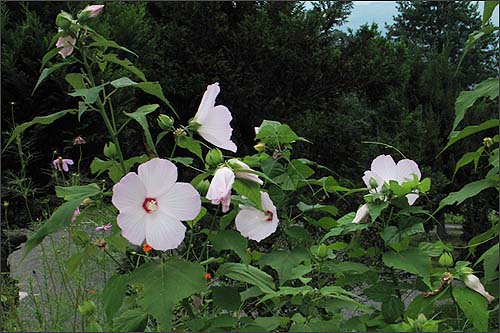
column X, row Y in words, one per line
column 165, row 285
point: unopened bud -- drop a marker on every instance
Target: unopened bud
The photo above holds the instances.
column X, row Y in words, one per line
column 214, row 157
column 110, row 150
column 87, row 308
column 64, row 20
column 322, row 251
column 473, row 282
column 203, row 186
column 180, row 132
column 446, row 259
column 260, row 147
column 373, row 183
column 165, row 122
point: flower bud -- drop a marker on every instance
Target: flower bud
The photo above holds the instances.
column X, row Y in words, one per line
column 322, row 251
column 473, row 282
column 110, row 150
column 446, row 259
column 90, row 11
column 203, row 186
column 180, row 132
column 260, row 147
column 373, row 183
column 64, row 20
column 165, row 122
column 214, row 157
column 87, row 308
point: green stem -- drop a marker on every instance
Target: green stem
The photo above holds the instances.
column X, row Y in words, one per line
column 209, row 232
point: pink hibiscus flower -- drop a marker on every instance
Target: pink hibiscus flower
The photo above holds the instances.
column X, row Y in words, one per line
column 255, row 224
column 214, row 120
column 219, row 190
column 152, row 205
column 67, row 43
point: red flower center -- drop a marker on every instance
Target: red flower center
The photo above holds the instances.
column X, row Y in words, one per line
column 269, row 215
column 150, row 205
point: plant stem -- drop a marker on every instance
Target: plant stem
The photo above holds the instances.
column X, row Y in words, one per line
column 209, row 232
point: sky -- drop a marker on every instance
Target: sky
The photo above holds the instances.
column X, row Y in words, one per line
column 382, row 12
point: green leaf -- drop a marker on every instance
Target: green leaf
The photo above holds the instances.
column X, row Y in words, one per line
column 490, row 259
column 375, row 209
column 102, row 42
column 268, row 323
column 249, row 189
column 230, row 240
column 125, row 63
column 275, row 133
column 151, row 88
column 392, row 309
column 140, row 116
column 42, row 120
column 47, row 71
column 134, row 320
column 393, row 235
column 469, row 130
column 380, row 292
column 489, row 8
column 412, row 260
column 283, row 262
column 468, row 191
column 113, row 294
column 227, row 298
column 474, row 306
column 49, row 55
column 75, row 80
column 70, row 193
column 425, row 185
column 468, row 158
column 117, row 243
column 165, row 285
column 190, row 144
column 60, row 219
column 299, row 233
column 248, row 274
column 89, row 95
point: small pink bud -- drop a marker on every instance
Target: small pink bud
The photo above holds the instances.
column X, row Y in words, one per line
column 104, row 227
column 93, row 10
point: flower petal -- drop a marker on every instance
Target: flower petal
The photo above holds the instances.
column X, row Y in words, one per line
column 405, row 169
column 246, row 175
column 252, row 223
column 129, row 193
column 215, row 128
column 361, row 214
column 133, row 222
column 369, row 175
column 182, row 202
column 207, row 102
column 221, row 185
column 412, row 197
column 164, row 232
column 385, row 167
column 158, row 176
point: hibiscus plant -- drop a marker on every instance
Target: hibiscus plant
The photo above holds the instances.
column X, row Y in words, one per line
column 253, row 243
